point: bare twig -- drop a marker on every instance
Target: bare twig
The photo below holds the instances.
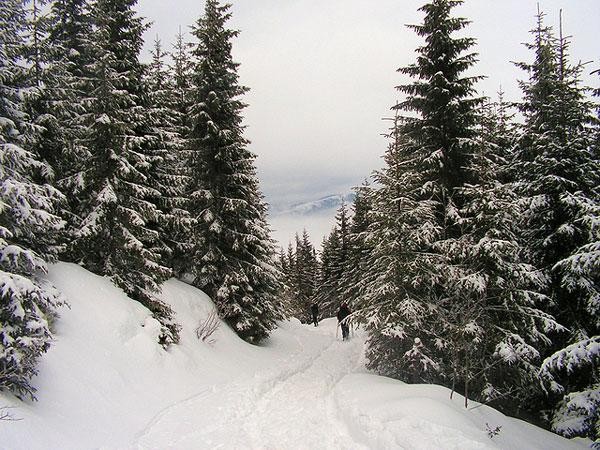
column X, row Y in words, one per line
column 6, row 415
column 208, row 327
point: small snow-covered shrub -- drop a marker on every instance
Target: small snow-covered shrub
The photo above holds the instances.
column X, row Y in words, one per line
column 491, row 432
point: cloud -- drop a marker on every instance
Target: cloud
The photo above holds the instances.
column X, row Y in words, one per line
column 322, row 74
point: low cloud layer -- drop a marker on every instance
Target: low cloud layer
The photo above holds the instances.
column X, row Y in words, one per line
column 322, row 74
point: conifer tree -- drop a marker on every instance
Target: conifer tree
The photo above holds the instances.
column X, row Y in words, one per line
column 29, row 224
column 289, row 292
column 499, row 327
column 170, row 173
column 449, row 298
column 416, row 212
column 334, row 264
column 325, row 293
column 305, row 275
column 38, row 61
column 36, row 32
column 290, row 258
column 286, row 294
column 559, row 178
column 397, row 304
column 66, row 90
column 180, row 82
column 181, row 73
column 359, row 248
column 117, row 236
column 233, row 257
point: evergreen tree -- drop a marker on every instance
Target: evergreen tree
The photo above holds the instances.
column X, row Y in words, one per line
column 359, row 250
column 499, row 328
column 233, row 257
column 66, row 90
column 289, row 291
column 397, row 305
column 118, row 236
column 171, row 171
column 181, row 74
column 305, row 276
column 416, row 213
column 324, row 290
column 36, row 32
column 180, row 103
column 29, row 225
column 334, row 264
column 286, row 291
column 559, row 178
column 290, row 258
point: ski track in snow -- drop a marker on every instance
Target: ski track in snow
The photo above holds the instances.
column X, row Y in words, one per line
column 291, row 406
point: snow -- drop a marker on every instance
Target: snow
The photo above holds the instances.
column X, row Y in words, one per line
column 106, row 383
column 573, row 356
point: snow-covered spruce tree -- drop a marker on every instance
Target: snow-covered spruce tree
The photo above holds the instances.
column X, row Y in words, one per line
column 299, row 268
column 398, row 304
column 36, row 31
column 288, row 294
column 42, row 70
column 180, row 72
column 559, row 177
column 574, row 372
column 118, row 236
column 233, row 256
column 171, row 172
column 498, row 325
column 29, row 225
column 305, row 276
column 416, row 211
column 181, row 81
column 65, row 93
column 334, row 264
column 325, row 292
column 33, row 52
column 359, row 250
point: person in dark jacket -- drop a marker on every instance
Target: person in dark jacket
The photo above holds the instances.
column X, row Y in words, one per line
column 314, row 310
column 342, row 314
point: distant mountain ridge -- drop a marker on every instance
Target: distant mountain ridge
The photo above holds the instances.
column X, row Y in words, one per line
column 321, row 205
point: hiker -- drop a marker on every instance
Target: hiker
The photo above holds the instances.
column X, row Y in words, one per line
column 314, row 309
column 342, row 313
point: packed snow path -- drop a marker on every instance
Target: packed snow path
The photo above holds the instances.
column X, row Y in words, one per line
column 292, row 406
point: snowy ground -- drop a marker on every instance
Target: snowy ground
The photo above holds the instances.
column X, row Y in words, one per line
column 106, row 384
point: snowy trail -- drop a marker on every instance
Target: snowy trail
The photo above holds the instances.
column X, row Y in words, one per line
column 301, row 410
column 290, row 406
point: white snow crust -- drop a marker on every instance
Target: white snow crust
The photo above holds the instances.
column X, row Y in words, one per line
column 107, row 384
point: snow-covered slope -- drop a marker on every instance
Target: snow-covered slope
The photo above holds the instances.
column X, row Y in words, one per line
column 107, row 384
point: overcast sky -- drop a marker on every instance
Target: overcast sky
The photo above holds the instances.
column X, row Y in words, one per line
column 322, row 74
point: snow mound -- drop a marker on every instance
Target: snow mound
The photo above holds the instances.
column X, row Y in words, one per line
column 386, row 413
column 106, row 376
